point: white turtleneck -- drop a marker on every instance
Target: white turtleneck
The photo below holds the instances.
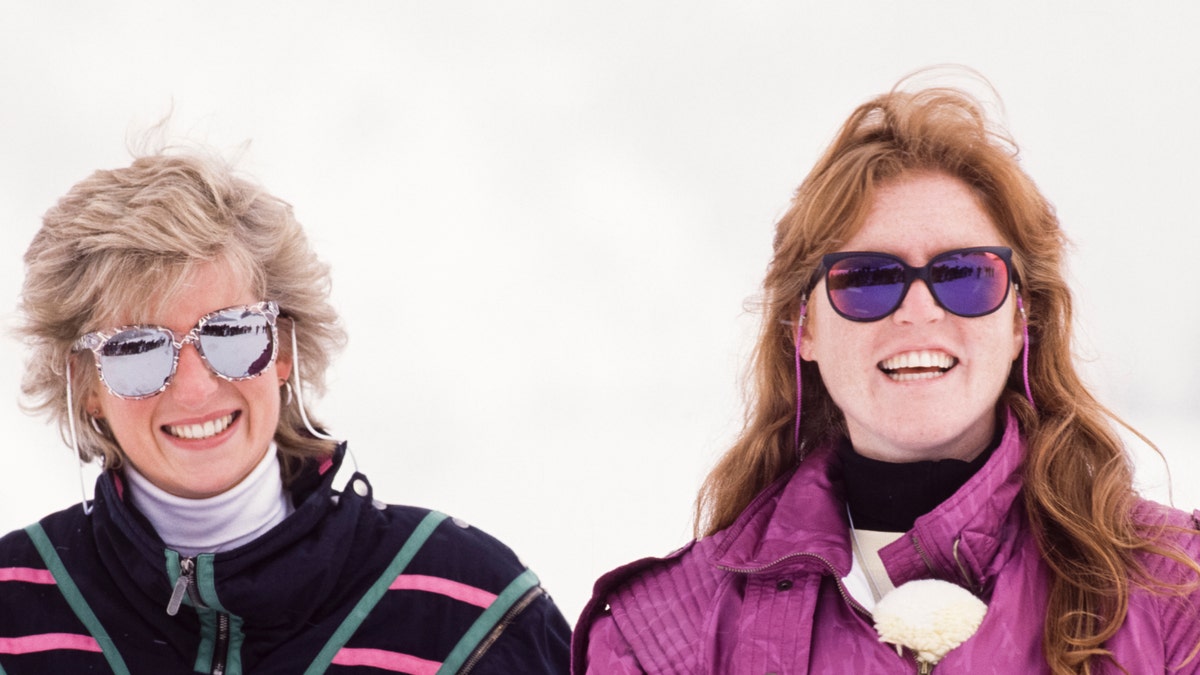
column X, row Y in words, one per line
column 868, row 580
column 226, row 521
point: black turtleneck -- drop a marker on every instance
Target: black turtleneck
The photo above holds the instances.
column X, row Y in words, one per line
column 889, row 497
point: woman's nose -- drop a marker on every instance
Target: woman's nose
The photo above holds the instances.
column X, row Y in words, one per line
column 918, row 305
column 194, row 382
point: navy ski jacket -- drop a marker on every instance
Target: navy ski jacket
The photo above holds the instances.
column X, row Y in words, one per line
column 345, row 585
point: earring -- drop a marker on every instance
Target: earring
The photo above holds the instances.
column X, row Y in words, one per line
column 94, row 420
column 287, row 386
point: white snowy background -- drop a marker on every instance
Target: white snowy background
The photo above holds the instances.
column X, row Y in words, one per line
column 545, row 218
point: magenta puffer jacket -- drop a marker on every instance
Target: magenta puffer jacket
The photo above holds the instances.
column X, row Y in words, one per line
column 765, row 595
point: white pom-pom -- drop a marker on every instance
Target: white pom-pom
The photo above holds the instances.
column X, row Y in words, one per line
column 928, row 616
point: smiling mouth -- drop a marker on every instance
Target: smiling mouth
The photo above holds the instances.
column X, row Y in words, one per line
column 922, row 365
column 195, row 432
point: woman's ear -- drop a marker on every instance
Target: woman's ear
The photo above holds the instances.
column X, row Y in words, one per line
column 283, row 355
column 804, row 334
column 1018, row 338
column 92, row 402
column 1020, row 330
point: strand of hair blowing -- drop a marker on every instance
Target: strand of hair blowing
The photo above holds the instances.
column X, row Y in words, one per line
column 1079, row 494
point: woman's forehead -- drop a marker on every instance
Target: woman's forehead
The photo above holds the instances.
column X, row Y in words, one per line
column 922, row 214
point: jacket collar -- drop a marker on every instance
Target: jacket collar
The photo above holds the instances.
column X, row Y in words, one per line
column 969, row 536
column 278, row 579
column 801, row 520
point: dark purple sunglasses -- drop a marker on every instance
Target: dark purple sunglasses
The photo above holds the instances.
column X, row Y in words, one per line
column 868, row 286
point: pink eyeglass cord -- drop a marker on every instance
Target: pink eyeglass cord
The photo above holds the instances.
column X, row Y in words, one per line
column 799, row 380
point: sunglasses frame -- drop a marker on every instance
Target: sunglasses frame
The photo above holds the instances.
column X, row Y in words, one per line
column 96, row 340
column 913, row 273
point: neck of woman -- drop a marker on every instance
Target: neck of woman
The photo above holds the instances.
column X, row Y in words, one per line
column 890, row 496
column 220, row 523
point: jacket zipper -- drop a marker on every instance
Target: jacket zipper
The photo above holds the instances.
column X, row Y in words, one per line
column 504, row 622
column 967, row 580
column 221, row 649
column 186, row 585
column 924, row 556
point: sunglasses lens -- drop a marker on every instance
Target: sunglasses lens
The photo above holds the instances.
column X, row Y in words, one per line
column 865, row 287
column 970, row 283
column 137, row 362
column 237, row 343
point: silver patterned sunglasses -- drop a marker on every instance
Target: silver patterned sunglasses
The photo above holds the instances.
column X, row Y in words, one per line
column 136, row 362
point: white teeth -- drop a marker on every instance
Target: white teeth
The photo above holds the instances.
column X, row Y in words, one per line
column 920, row 359
column 909, row 377
column 198, row 431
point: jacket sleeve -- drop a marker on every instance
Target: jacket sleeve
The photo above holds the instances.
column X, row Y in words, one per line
column 596, row 622
column 608, row 652
column 536, row 642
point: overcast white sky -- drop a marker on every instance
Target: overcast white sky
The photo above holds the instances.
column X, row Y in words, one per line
column 545, row 218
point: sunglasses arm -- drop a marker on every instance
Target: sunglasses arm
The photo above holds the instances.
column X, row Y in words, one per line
column 87, row 508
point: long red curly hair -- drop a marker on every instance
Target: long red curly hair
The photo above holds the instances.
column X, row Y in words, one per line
column 1078, row 476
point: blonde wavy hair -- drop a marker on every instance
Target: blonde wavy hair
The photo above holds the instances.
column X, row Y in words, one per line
column 1078, row 476
column 121, row 241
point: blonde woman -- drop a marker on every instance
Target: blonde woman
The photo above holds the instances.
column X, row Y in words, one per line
column 917, row 415
column 177, row 317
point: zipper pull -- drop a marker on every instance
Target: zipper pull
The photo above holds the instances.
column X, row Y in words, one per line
column 924, row 668
column 187, row 569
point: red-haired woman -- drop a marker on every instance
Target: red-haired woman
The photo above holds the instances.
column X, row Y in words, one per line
column 917, row 415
